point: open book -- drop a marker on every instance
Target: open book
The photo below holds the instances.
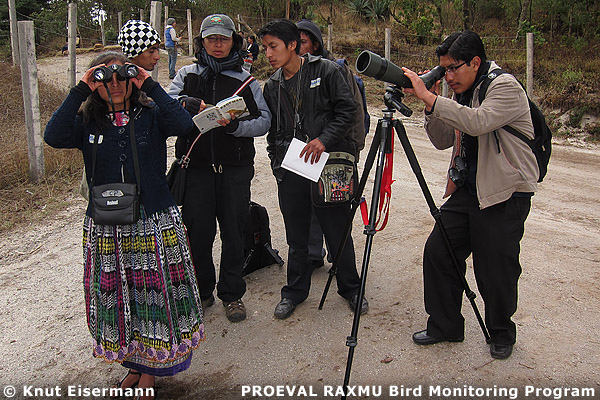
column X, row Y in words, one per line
column 207, row 119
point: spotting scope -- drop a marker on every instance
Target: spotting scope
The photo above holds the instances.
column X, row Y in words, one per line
column 375, row 66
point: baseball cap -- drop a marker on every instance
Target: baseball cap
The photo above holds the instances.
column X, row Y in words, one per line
column 136, row 37
column 217, row 24
column 170, row 21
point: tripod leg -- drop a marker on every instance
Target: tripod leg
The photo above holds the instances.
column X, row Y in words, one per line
column 435, row 212
column 355, row 204
column 385, row 127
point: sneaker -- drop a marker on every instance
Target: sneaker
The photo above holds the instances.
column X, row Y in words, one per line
column 235, row 310
column 208, row 302
column 364, row 307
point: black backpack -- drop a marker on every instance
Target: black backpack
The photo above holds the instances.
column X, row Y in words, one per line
column 361, row 89
column 541, row 144
column 258, row 252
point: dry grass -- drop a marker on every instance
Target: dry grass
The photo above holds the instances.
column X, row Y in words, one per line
column 20, row 200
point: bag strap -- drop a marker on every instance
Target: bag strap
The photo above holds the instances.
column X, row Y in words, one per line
column 482, row 92
column 185, row 160
column 133, row 150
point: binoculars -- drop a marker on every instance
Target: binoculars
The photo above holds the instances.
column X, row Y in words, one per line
column 375, row 66
column 124, row 72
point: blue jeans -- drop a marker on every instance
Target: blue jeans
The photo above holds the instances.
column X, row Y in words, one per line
column 172, row 60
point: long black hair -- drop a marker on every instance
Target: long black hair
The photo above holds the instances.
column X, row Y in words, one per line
column 95, row 109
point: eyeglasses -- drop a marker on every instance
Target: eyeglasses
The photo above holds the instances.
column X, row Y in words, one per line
column 452, row 70
column 214, row 39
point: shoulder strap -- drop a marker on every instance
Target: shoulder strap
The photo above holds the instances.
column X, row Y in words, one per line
column 486, row 82
column 482, row 92
column 133, row 150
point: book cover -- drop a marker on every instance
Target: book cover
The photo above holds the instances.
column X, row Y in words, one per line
column 207, row 119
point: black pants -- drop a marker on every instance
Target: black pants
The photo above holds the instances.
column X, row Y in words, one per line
column 493, row 236
column 222, row 197
column 295, row 204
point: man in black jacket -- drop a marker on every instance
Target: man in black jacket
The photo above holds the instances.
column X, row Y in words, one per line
column 309, row 100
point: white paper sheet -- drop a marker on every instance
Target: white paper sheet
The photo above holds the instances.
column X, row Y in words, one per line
column 294, row 163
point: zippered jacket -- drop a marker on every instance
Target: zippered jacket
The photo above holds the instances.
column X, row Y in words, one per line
column 326, row 110
column 218, row 146
column 505, row 163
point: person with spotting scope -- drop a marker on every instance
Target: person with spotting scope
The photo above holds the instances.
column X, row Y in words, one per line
column 492, row 177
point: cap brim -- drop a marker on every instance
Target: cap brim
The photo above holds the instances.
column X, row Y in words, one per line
column 217, row 30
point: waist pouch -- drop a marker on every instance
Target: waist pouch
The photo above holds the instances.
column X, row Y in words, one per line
column 338, row 181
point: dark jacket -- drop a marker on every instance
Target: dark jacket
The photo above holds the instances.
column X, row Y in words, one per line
column 326, row 110
column 218, row 146
column 253, row 49
column 152, row 127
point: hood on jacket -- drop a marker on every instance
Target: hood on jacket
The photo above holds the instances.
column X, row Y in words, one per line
column 314, row 31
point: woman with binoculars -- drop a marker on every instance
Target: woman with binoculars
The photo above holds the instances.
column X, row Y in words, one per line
column 143, row 307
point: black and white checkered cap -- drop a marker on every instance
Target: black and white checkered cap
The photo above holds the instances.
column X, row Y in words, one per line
column 136, row 37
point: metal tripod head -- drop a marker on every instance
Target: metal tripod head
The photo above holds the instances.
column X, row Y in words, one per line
column 393, row 100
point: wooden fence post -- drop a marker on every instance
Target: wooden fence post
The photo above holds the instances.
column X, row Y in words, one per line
column 14, row 35
column 31, row 101
column 190, row 33
column 329, row 37
column 72, row 29
column 529, row 86
column 164, row 31
column 120, row 20
column 141, row 14
column 155, row 7
column 388, row 43
column 102, row 29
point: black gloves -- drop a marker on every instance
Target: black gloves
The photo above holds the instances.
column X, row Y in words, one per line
column 191, row 104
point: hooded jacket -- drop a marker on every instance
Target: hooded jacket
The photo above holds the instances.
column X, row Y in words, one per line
column 326, row 110
column 358, row 127
column 505, row 163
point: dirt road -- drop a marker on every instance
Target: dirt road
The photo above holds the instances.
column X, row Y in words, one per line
column 44, row 340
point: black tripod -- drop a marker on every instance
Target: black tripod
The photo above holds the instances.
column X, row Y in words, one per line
column 380, row 146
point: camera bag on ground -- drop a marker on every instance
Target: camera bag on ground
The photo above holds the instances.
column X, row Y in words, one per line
column 541, row 144
column 258, row 252
column 338, row 181
column 116, row 203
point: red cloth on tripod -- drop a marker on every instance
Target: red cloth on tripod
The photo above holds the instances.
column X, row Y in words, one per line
column 385, row 193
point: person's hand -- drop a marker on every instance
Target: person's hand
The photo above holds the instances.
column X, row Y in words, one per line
column 88, row 78
column 313, row 150
column 193, row 105
column 419, row 89
column 140, row 78
column 225, row 121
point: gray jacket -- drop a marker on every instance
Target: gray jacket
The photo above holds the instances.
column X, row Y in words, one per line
column 505, row 163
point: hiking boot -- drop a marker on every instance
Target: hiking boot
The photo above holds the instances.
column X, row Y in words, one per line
column 235, row 310
column 364, row 307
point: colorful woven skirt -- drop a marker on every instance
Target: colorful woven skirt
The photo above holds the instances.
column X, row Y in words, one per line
column 142, row 301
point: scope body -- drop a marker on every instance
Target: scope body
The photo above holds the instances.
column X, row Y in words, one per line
column 375, row 66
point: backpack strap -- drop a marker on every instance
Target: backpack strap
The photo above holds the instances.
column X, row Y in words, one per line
column 483, row 91
column 486, row 82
